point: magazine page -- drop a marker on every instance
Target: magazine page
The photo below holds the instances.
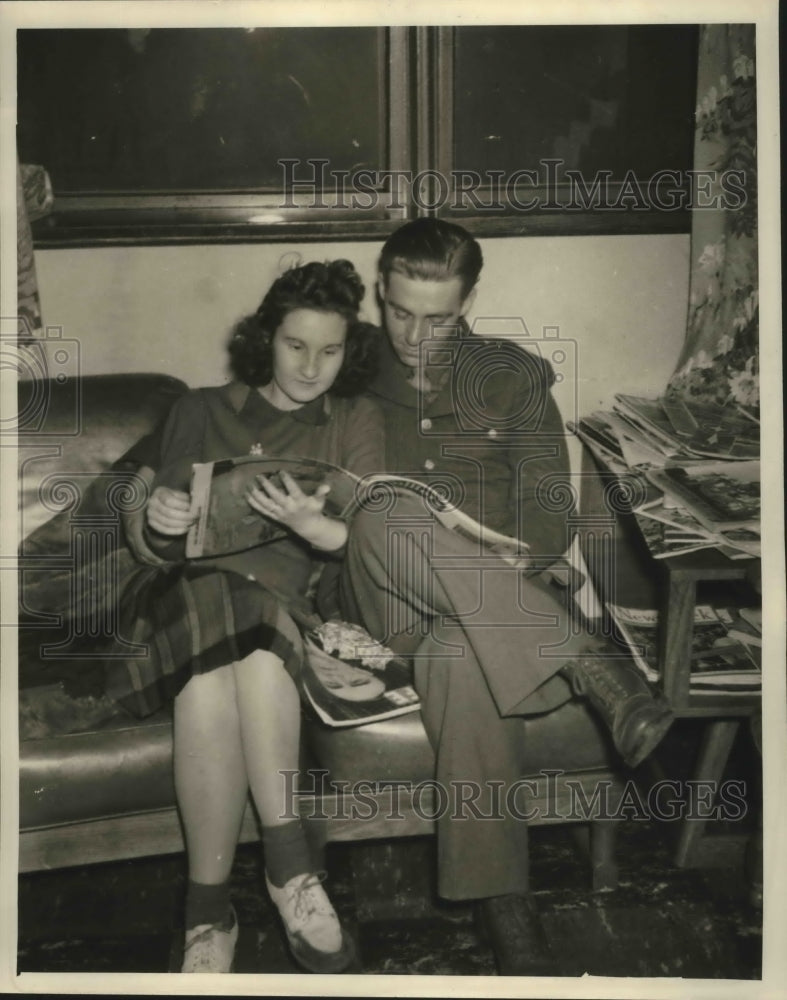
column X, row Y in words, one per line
column 746, row 541
column 729, row 432
column 598, row 427
column 719, row 500
column 742, row 625
column 649, row 414
column 718, row 659
column 349, row 679
column 397, row 698
column 665, row 540
column 676, row 517
column 693, row 429
column 735, row 543
column 606, row 458
column 731, row 488
column 226, row 523
column 636, row 449
column 511, row 549
column 638, row 629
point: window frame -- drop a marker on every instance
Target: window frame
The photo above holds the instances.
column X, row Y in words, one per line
column 416, row 77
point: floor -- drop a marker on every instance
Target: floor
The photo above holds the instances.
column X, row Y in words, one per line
column 660, row 921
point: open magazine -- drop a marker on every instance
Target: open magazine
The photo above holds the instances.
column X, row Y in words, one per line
column 226, row 523
column 720, row 660
column 350, row 679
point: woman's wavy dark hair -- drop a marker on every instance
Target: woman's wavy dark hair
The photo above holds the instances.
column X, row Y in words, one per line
column 332, row 287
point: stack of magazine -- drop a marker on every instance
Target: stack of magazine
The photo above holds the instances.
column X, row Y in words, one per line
column 704, row 462
column 726, row 652
column 717, row 501
column 681, row 429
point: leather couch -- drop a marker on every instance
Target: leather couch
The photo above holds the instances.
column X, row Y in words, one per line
column 95, row 783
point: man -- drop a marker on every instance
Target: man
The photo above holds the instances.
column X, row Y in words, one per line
column 475, row 418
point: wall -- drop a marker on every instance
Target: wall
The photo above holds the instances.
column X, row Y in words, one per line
column 620, row 302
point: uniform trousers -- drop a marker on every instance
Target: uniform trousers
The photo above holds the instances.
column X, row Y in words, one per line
column 488, row 641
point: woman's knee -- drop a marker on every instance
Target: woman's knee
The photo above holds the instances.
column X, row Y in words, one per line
column 211, row 687
column 261, row 664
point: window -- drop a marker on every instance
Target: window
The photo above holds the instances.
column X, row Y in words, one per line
column 193, row 109
column 188, row 135
column 548, row 121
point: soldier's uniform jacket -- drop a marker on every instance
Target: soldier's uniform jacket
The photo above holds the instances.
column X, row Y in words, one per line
column 491, row 434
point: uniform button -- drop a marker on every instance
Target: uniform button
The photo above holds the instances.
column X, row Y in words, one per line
column 429, row 464
column 426, row 424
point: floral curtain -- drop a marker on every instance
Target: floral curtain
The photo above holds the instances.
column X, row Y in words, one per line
column 720, row 358
column 33, row 199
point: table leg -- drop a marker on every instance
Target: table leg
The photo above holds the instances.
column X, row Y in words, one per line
column 714, row 752
column 676, row 641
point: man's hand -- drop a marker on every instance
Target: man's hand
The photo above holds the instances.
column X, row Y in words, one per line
column 169, row 511
column 300, row 512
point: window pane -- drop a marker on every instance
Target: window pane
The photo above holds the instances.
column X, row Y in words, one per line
column 598, row 97
column 196, row 109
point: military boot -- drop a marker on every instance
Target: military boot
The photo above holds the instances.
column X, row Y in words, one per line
column 637, row 718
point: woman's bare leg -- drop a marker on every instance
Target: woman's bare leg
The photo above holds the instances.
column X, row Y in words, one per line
column 210, row 772
column 270, row 718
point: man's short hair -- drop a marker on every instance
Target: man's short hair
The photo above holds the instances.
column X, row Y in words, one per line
column 433, row 250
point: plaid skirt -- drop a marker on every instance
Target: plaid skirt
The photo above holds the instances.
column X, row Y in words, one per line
column 188, row 619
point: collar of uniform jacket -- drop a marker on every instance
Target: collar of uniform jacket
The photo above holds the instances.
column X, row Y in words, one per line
column 492, row 363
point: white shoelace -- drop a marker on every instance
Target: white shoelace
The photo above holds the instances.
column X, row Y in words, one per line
column 307, row 901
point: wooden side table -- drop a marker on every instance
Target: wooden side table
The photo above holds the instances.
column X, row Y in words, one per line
column 724, row 712
column 673, row 590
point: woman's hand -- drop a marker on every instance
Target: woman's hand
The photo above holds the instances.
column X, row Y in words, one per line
column 169, row 511
column 299, row 511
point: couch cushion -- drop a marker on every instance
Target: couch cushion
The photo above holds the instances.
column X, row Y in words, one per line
column 110, row 765
column 122, row 767
column 392, row 750
column 570, row 738
column 85, row 425
column 67, row 484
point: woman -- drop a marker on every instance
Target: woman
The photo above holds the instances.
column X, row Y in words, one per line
column 220, row 641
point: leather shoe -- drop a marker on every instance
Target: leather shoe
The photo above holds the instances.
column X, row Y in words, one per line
column 637, row 718
column 514, row 931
